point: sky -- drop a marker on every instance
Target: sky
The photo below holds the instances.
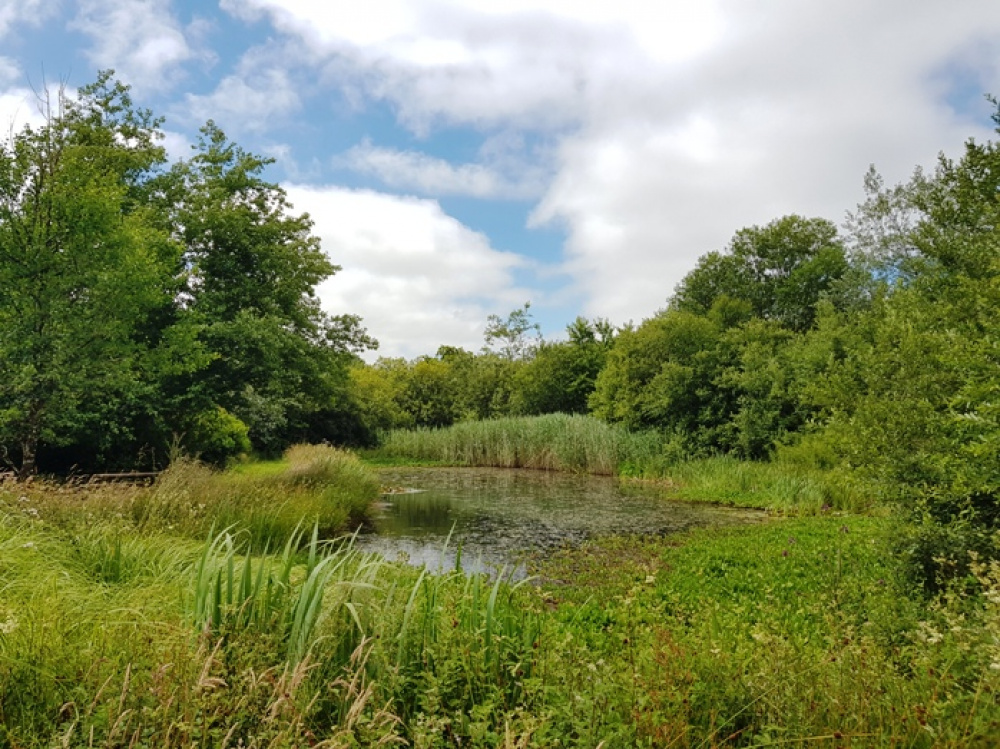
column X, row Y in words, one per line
column 460, row 158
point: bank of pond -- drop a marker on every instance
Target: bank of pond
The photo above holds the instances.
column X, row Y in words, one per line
column 248, row 608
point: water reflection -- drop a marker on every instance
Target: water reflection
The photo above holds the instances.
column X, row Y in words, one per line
column 498, row 515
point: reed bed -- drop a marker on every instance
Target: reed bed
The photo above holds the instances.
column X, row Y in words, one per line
column 554, row 442
column 584, row 444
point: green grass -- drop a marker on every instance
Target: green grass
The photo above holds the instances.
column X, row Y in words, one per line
column 774, row 486
column 584, row 444
column 801, row 631
column 556, row 442
column 124, row 629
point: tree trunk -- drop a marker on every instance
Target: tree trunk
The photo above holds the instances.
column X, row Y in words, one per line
column 29, row 444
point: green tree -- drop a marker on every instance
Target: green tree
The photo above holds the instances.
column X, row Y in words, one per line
column 781, row 270
column 562, row 375
column 913, row 403
column 514, row 338
column 83, row 268
column 279, row 363
column 661, row 375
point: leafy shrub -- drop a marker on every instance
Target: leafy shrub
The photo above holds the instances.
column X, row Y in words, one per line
column 216, row 436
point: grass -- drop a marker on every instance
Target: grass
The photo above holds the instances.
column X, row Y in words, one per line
column 802, row 631
column 584, row 444
column 556, row 442
column 126, row 627
column 266, row 502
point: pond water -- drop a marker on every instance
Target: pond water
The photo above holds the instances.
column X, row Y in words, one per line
column 498, row 515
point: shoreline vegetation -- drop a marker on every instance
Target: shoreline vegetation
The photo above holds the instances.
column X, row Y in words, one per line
column 214, row 609
column 584, row 444
column 842, row 377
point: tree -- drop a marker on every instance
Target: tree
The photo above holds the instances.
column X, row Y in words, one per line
column 82, row 265
column 661, row 375
column 913, row 404
column 278, row 362
column 781, row 270
column 562, row 375
column 510, row 338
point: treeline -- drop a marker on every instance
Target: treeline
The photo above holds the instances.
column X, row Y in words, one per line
column 873, row 350
column 149, row 307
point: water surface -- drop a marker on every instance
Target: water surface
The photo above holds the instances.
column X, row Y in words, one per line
column 499, row 515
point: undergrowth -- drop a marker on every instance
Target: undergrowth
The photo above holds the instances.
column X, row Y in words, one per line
column 119, row 628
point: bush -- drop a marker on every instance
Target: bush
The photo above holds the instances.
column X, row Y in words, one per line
column 216, row 436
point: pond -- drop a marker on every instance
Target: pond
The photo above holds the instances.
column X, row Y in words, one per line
column 497, row 515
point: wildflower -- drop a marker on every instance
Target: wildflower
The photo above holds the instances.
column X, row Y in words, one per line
column 28, row 545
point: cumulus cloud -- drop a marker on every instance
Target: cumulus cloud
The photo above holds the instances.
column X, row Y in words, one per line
column 417, row 276
column 10, row 72
column 244, row 102
column 141, row 39
column 25, row 11
column 19, row 106
column 412, row 170
column 260, row 94
column 678, row 122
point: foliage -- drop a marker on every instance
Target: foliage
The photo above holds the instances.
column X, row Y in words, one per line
column 792, row 631
column 217, row 436
column 780, row 270
column 278, row 362
column 83, row 269
column 511, row 338
column 912, row 402
column 561, row 376
column 137, row 300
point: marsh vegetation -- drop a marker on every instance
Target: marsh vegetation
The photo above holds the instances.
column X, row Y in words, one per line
column 842, row 379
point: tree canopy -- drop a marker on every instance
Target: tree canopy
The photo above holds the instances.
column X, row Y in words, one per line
column 144, row 304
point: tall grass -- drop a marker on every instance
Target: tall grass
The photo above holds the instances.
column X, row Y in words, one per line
column 314, row 485
column 555, row 442
column 230, row 596
column 319, row 486
column 585, row 444
column 775, row 486
column 789, row 633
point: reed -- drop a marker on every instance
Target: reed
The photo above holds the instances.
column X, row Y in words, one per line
column 317, row 485
column 558, row 442
column 775, row 486
column 229, row 596
column 554, row 442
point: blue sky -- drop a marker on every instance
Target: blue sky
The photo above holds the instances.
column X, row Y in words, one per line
column 461, row 157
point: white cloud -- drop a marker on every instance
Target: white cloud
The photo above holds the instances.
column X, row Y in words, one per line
column 785, row 118
column 418, row 277
column 411, row 170
column 19, row 107
column 25, row 11
column 140, row 39
column 678, row 122
column 250, row 100
column 177, row 145
column 10, row 72
column 261, row 93
column 466, row 62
